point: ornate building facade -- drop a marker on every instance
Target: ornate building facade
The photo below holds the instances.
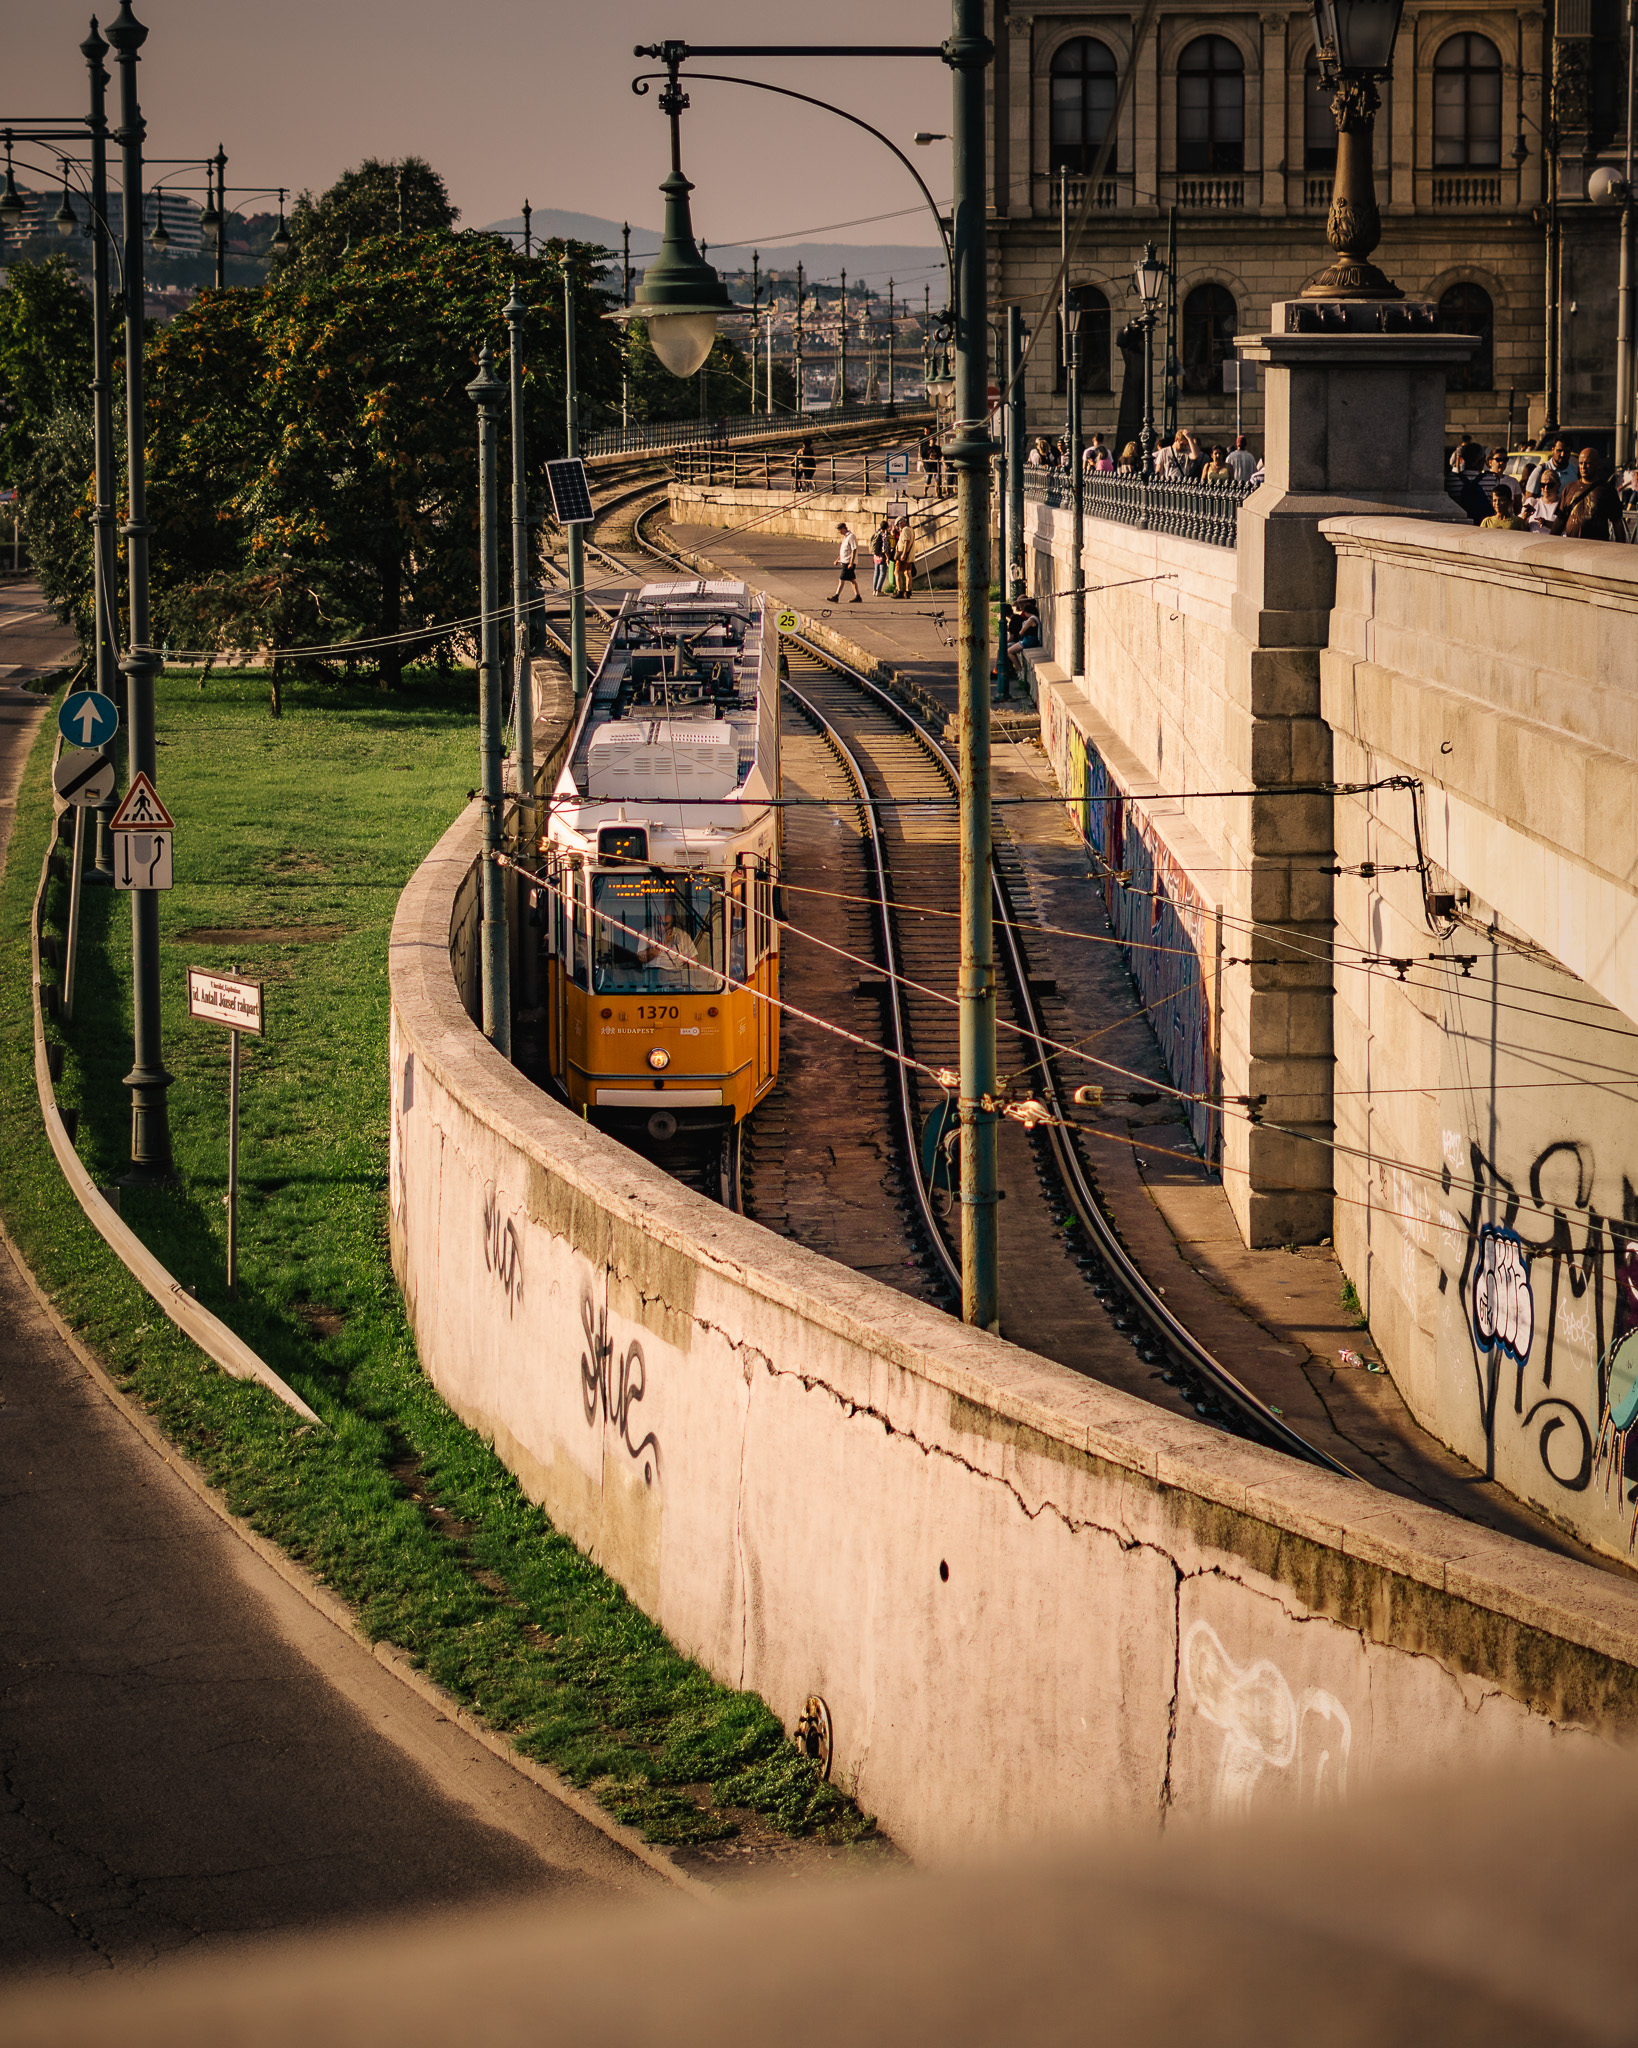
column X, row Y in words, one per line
column 1489, row 128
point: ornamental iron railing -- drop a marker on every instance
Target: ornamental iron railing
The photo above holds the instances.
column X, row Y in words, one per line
column 1188, row 511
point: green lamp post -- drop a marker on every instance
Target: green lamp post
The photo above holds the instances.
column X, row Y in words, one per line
column 681, row 297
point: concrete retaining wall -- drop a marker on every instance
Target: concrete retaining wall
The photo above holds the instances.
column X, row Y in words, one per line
column 1030, row 1602
column 1486, row 1100
column 814, row 515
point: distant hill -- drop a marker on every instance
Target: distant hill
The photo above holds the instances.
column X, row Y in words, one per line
column 910, row 264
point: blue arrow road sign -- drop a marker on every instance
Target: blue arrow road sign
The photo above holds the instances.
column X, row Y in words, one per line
column 87, row 719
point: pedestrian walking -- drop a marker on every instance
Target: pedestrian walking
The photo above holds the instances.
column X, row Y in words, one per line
column 847, row 564
column 881, row 547
column 1505, row 516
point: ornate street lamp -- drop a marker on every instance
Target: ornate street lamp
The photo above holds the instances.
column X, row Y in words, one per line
column 12, row 202
column 65, row 220
column 1149, row 281
column 281, row 234
column 160, row 238
column 1356, row 39
column 681, row 297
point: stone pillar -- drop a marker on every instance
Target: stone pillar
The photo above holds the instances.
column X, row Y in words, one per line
column 1020, row 100
column 1354, row 417
column 1146, row 116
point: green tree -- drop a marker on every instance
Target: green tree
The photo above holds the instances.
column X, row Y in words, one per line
column 403, row 195
column 314, row 471
column 45, row 354
column 55, row 485
column 657, row 395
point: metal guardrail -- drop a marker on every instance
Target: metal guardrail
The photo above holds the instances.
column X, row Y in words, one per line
column 1189, row 511
column 788, row 469
column 744, row 426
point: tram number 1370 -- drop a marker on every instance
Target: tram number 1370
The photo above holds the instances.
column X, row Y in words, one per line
column 653, row 1013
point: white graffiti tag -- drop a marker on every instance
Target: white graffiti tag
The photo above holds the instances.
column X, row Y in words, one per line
column 1264, row 1727
column 1504, row 1310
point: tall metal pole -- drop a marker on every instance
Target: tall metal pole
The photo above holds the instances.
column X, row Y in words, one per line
column 841, row 346
column 968, row 53
column 1015, row 450
column 485, row 392
column 577, row 541
column 1077, row 509
column 890, row 342
column 104, row 560
column 756, row 300
column 625, row 339
column 220, row 161
column 799, row 340
column 767, row 380
column 147, row 1080
column 1063, row 289
column 523, row 696
column 528, row 232
column 1624, row 365
column 1170, row 409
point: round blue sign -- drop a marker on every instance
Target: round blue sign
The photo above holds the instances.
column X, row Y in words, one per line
column 87, row 719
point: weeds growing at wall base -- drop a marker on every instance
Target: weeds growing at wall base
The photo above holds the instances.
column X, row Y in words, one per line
column 295, row 839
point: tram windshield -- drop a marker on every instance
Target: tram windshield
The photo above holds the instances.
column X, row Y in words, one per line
column 655, row 932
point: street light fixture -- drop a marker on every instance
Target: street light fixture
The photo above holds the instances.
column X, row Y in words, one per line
column 1356, row 39
column 64, row 219
column 160, row 238
column 1149, row 281
column 681, row 297
column 12, row 201
column 281, row 234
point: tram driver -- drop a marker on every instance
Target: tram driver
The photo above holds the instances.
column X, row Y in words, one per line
column 667, row 946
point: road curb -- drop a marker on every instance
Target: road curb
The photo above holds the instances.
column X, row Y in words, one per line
column 336, row 1611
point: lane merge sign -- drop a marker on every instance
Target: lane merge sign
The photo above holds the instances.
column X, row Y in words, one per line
column 83, row 778
column 143, row 860
column 225, row 999
column 87, row 719
column 140, row 809
column 787, row 622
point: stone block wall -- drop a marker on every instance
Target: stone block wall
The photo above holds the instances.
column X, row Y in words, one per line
column 1487, row 991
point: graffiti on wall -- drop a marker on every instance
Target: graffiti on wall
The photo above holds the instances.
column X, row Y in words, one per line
column 1266, row 1727
column 615, row 1389
column 1548, row 1287
column 502, row 1248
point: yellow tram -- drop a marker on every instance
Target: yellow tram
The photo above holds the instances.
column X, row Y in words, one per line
column 661, row 862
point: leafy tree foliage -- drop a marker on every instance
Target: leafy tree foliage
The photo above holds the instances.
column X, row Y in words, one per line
column 313, row 474
column 58, row 500
column 45, row 354
column 402, row 196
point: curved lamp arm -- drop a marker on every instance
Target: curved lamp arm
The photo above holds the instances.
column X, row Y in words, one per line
column 640, row 85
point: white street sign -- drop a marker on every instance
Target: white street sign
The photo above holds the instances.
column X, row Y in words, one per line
column 142, row 860
column 83, row 778
column 225, row 999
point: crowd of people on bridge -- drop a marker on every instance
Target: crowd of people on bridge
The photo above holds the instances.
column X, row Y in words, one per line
column 1185, row 458
column 1566, row 491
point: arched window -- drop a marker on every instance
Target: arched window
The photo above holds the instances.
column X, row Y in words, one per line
column 1084, row 83
column 1467, row 94
column 1211, row 106
column 1093, row 338
column 1319, row 123
column 1469, row 309
column 1209, row 323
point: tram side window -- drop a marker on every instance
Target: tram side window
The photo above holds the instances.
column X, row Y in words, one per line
column 657, row 934
column 580, row 954
column 736, row 930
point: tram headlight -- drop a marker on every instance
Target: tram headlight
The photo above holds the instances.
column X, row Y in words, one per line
column 659, row 1058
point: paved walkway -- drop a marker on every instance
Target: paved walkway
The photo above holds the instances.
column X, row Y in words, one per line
column 31, row 640
column 1275, row 1318
column 188, row 1751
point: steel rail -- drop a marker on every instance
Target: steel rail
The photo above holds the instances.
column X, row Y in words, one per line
column 1166, row 1328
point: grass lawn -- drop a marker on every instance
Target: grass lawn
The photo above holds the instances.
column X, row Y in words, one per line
column 295, row 837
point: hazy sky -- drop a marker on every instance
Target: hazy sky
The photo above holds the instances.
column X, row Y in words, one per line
column 511, row 102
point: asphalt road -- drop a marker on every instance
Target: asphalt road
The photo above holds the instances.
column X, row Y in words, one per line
column 189, row 1753
column 30, row 638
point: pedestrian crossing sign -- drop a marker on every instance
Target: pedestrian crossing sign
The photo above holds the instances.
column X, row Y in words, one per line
column 140, row 809
column 787, row 622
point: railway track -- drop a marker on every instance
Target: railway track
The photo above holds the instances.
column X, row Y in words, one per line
column 901, row 777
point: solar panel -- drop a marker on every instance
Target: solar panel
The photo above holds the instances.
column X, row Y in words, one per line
column 571, row 495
